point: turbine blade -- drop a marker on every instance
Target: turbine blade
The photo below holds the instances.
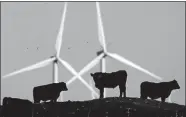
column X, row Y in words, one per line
column 32, row 67
column 87, row 68
column 71, row 80
column 92, row 94
column 68, row 66
column 73, row 71
column 100, row 27
column 88, row 86
column 131, row 64
column 60, row 33
column 93, row 63
column 169, row 99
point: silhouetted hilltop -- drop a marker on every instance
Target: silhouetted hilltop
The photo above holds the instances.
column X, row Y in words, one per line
column 110, row 107
column 106, row 107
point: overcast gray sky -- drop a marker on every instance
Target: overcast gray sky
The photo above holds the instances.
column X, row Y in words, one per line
column 151, row 34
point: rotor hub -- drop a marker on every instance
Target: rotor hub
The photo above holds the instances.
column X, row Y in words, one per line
column 56, row 60
column 104, row 55
column 100, row 52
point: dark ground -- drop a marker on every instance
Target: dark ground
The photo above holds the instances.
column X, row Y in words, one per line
column 107, row 107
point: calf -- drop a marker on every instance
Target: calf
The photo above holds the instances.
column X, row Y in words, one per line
column 110, row 80
column 15, row 107
column 158, row 90
column 48, row 92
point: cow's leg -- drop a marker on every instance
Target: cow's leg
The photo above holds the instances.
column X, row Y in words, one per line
column 36, row 100
column 51, row 100
column 124, row 91
column 55, row 100
column 101, row 92
column 143, row 94
column 163, row 99
column 121, row 90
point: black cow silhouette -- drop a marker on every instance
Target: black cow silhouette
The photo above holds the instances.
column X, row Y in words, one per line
column 158, row 90
column 1, row 107
column 48, row 92
column 110, row 80
column 15, row 107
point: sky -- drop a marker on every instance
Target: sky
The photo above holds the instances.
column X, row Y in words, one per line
column 150, row 34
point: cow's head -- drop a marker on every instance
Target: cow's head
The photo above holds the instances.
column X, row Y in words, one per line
column 63, row 86
column 175, row 84
column 97, row 77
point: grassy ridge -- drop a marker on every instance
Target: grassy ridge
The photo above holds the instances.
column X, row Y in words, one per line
column 110, row 107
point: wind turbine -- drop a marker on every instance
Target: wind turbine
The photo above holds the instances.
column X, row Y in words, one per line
column 104, row 53
column 101, row 57
column 55, row 60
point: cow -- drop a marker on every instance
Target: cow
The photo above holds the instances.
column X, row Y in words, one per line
column 15, row 107
column 48, row 92
column 1, row 107
column 157, row 90
column 110, row 80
